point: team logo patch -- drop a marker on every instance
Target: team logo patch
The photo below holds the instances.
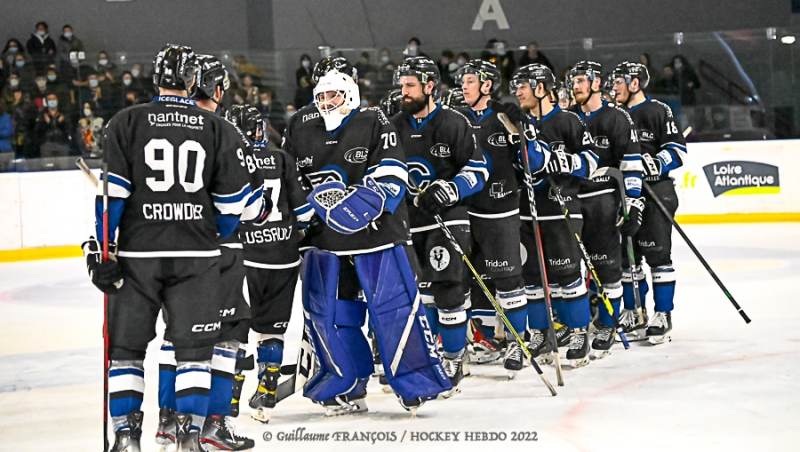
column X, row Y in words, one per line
column 308, row 161
column 356, row 155
column 310, row 116
column 498, row 139
column 646, row 135
column 602, row 142
column 440, row 258
column 440, row 150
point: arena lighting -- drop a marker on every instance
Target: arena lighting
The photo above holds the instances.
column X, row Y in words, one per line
column 788, row 39
column 772, row 33
column 678, row 38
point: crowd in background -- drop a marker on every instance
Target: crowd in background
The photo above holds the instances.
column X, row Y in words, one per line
column 56, row 98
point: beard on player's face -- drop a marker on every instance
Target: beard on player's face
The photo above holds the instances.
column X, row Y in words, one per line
column 414, row 105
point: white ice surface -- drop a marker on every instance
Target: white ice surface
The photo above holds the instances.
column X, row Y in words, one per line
column 720, row 385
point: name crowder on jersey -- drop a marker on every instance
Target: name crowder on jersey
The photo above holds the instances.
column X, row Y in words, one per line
column 176, row 119
column 173, row 211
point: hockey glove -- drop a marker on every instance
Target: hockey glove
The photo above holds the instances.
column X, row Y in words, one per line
column 652, row 166
column 439, row 196
column 560, row 163
column 106, row 276
column 630, row 227
column 348, row 210
column 514, row 112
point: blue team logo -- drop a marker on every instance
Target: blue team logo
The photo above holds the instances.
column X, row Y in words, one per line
column 602, row 142
column 329, row 171
column 440, row 150
column 356, row 155
column 420, row 174
column 498, row 139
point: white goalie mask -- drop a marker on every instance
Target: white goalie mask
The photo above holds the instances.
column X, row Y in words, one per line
column 336, row 95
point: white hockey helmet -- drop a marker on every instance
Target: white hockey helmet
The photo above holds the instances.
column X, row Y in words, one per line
column 336, row 95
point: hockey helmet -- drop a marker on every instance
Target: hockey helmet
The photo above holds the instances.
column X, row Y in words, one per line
column 422, row 68
column 174, row 67
column 533, row 74
column 331, row 63
column 210, row 74
column 485, row 70
column 391, row 103
column 336, row 95
column 630, row 71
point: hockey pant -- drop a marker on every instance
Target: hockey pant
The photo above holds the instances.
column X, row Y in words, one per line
column 411, row 362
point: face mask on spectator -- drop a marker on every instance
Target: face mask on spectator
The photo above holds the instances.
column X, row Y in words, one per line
column 40, row 32
column 265, row 102
column 12, row 50
column 306, row 64
column 103, row 62
column 678, row 65
column 51, row 77
column 135, row 72
column 364, row 103
column 41, row 83
column 385, row 58
column 289, row 114
column 93, row 83
column 68, row 34
column 53, row 104
column 461, row 61
column 87, row 112
column 13, row 83
column 20, row 63
column 127, row 81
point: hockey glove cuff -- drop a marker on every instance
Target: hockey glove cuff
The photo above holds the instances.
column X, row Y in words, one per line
column 560, row 163
column 630, row 227
column 652, row 166
column 106, row 276
column 439, row 196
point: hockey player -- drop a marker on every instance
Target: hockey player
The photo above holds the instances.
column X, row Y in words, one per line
column 176, row 181
column 611, row 130
column 663, row 150
column 271, row 255
column 357, row 168
column 494, row 211
column 445, row 167
column 218, row 433
column 571, row 158
column 453, row 98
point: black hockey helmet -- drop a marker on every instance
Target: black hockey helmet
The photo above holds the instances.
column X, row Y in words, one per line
column 174, row 67
column 331, row 63
column 485, row 70
column 590, row 69
column 453, row 98
column 423, row 68
column 210, row 74
column 249, row 120
column 534, row 74
column 391, row 103
column 630, row 71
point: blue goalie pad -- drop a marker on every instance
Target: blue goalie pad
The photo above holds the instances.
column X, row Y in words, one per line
column 335, row 328
column 405, row 340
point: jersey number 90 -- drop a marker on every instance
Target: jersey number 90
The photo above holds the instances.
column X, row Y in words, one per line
column 159, row 155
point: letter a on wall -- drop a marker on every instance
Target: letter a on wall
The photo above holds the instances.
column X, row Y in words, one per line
column 490, row 10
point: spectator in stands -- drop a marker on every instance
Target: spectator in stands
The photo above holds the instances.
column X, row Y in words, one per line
column 667, row 83
column 89, row 132
column 142, row 82
column 55, row 85
column 461, row 60
column 414, row 48
column 533, row 56
column 363, row 66
column 41, row 47
column 290, row 111
column 251, row 90
column 3, row 72
column 67, row 44
column 386, row 68
column 273, row 110
column 39, row 92
column 304, row 93
column 106, row 70
column 10, row 51
column 130, row 90
column 94, row 93
column 243, row 67
column 6, row 129
column 497, row 52
column 53, row 130
column 11, row 85
column 24, row 72
column 23, row 114
column 447, row 67
column 687, row 80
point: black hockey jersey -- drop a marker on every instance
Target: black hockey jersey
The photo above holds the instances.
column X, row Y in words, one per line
column 500, row 194
column 617, row 145
column 441, row 146
column 175, row 177
column 365, row 144
column 274, row 243
column 659, row 135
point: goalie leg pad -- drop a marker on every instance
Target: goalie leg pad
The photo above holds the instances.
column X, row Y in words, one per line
column 404, row 336
column 335, row 329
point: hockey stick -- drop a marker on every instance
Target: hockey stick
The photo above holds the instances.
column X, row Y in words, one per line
column 537, row 235
column 600, row 289
column 105, row 304
column 302, row 371
column 494, row 302
column 80, row 163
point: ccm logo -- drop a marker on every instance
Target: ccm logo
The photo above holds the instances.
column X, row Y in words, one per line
column 279, row 325
column 207, row 328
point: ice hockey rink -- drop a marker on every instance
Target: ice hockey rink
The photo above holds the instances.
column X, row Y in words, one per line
column 719, row 385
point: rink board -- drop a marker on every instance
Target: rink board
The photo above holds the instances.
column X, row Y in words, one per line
column 47, row 214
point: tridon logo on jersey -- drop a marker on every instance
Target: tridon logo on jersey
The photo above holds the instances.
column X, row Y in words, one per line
column 176, row 119
column 356, row 155
column 646, row 135
column 440, row 150
column 498, row 139
column 742, row 178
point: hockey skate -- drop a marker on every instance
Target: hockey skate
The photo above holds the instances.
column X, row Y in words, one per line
column 266, row 396
column 630, row 324
column 658, row 330
column 454, row 369
column 165, row 435
column 604, row 339
column 411, row 405
column 187, row 440
column 218, row 434
column 238, row 384
column 563, row 335
column 347, row 404
column 541, row 349
column 127, row 439
column 513, row 359
column 484, row 349
column 578, row 348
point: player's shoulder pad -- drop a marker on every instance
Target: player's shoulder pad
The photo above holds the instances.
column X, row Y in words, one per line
column 124, row 116
column 662, row 105
column 623, row 111
column 382, row 119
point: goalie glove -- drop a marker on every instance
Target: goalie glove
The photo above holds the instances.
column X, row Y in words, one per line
column 106, row 276
column 560, row 163
column 348, row 210
column 439, row 196
column 652, row 166
column 630, row 227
